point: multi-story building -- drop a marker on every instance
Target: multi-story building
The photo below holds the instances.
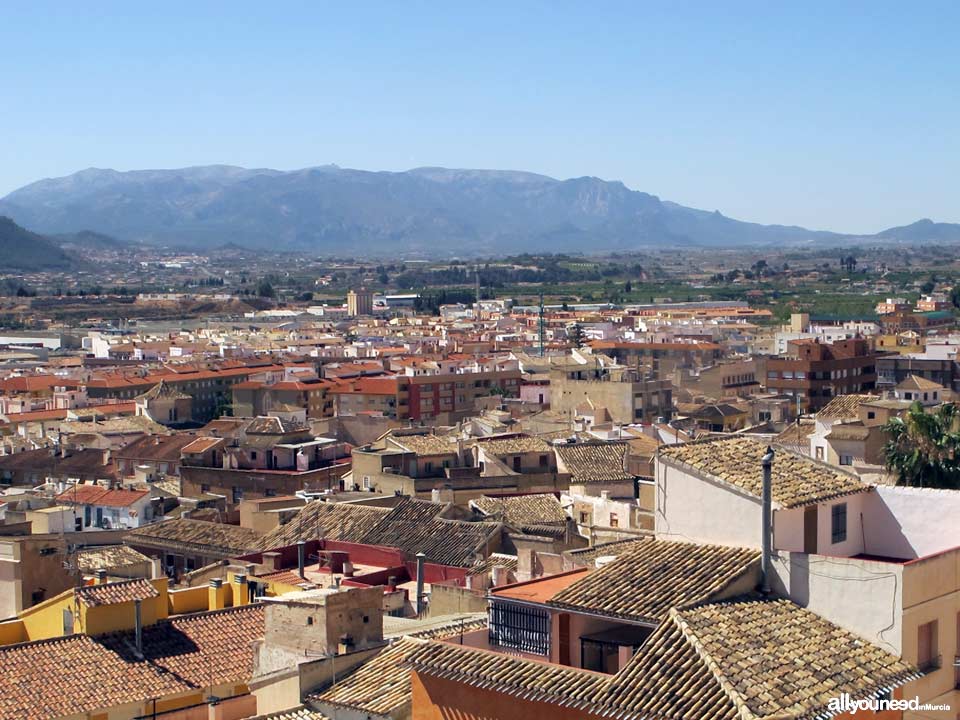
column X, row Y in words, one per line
column 813, row 372
column 628, row 394
column 892, row 305
column 259, row 398
column 360, row 302
column 933, row 303
column 210, row 389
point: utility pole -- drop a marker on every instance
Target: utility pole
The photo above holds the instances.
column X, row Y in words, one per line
column 541, row 324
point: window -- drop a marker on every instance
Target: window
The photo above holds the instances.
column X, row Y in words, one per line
column 838, row 523
column 846, row 459
column 584, row 518
column 253, row 454
column 269, row 492
column 543, row 461
column 237, row 495
column 928, row 657
column 204, row 488
column 871, row 415
column 614, row 520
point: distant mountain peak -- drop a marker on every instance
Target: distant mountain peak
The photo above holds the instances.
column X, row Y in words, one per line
column 327, row 208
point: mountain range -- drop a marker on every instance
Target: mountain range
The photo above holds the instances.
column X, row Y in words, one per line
column 430, row 211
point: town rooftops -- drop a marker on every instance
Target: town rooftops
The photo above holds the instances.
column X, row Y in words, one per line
column 412, row 526
column 522, row 511
column 916, row 382
column 735, row 461
column 845, row 406
column 512, row 445
column 424, row 443
column 180, row 656
column 595, row 462
column 109, row 557
column 163, row 391
column 195, row 536
column 115, row 593
column 101, row 496
column 741, row 660
column 378, row 687
column 651, row 576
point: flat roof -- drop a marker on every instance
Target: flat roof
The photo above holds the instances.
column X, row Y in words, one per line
column 540, row 590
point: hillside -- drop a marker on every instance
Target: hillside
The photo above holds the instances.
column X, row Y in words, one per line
column 336, row 210
column 21, row 249
column 332, row 209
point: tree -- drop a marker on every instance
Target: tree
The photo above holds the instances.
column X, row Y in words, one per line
column 265, row 289
column 922, row 449
column 955, row 296
column 627, row 287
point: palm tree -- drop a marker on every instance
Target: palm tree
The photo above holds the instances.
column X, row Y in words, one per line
column 923, row 447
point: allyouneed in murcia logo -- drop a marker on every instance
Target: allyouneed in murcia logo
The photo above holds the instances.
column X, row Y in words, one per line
column 847, row 704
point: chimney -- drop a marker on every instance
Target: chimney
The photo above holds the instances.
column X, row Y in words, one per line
column 272, row 561
column 301, row 558
column 240, row 593
column 767, row 521
column 216, row 595
column 101, row 576
column 138, row 620
column 421, row 559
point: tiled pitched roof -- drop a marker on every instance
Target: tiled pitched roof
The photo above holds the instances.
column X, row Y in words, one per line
column 845, row 406
column 197, row 536
column 742, row 660
column 651, row 576
column 523, row 510
column 595, row 462
column 156, row 448
column 514, row 445
column 776, row 658
column 298, row 713
column 180, row 655
column 116, row 592
column 333, row 521
column 587, row 556
column 796, row 480
column 917, row 382
column 98, row 495
column 411, row 526
column 424, row 444
column 380, row 686
column 536, row 681
column 108, row 558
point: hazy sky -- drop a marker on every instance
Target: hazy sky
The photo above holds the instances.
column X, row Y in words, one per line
column 835, row 115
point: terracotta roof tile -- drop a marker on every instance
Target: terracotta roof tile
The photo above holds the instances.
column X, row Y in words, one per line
column 197, row 536
column 180, row 656
column 797, row 480
column 116, row 592
column 595, row 462
column 380, row 686
column 651, row 576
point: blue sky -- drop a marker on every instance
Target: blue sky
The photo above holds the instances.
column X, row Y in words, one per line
column 836, row 115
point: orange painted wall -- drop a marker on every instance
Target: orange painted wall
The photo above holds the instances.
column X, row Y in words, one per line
column 437, row 699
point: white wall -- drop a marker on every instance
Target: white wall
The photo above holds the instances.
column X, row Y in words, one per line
column 863, row 596
column 908, row 523
column 691, row 508
column 788, row 527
